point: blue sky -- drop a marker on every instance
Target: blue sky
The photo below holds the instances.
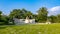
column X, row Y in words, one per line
column 32, row 5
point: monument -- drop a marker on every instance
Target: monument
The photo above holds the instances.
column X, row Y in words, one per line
column 27, row 20
column 23, row 21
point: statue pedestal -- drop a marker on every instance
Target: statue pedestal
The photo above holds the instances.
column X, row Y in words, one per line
column 48, row 22
column 27, row 21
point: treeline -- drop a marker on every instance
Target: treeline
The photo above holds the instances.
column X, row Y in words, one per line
column 41, row 17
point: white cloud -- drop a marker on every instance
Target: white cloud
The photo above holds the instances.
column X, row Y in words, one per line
column 54, row 10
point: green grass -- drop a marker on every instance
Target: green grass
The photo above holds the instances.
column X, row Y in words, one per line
column 31, row 29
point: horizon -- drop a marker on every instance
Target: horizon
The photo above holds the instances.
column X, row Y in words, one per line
column 53, row 6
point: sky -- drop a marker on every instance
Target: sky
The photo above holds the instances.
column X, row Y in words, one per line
column 53, row 6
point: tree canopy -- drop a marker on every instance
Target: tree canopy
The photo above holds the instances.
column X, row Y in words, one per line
column 42, row 14
column 20, row 14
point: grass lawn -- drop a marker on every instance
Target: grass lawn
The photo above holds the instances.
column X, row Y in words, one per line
column 31, row 29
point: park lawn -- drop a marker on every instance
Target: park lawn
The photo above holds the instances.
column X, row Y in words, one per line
column 31, row 29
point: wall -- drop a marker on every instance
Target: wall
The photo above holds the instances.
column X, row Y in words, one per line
column 23, row 21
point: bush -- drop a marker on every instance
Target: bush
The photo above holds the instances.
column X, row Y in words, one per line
column 2, row 23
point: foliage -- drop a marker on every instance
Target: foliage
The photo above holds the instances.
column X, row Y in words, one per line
column 42, row 14
column 20, row 14
column 58, row 17
column 0, row 12
column 53, row 19
column 4, row 20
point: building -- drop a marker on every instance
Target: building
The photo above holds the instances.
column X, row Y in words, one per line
column 23, row 21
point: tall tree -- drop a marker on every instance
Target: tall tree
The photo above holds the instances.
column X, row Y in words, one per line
column 21, row 14
column 15, row 13
column 0, row 13
column 58, row 17
column 42, row 14
column 3, row 19
column 53, row 19
column 29, row 14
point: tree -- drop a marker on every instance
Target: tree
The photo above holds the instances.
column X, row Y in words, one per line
column 3, row 19
column 20, row 14
column 0, row 13
column 42, row 14
column 53, row 19
column 35, row 17
column 58, row 18
column 26, row 13
column 15, row 13
column 29, row 14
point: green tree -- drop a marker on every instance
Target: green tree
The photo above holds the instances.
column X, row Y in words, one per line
column 42, row 14
column 0, row 14
column 35, row 17
column 15, row 13
column 3, row 19
column 20, row 14
column 53, row 19
column 29, row 14
column 58, row 17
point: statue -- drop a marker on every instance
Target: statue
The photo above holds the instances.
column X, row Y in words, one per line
column 27, row 20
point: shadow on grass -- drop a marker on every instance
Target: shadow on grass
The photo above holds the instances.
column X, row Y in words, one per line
column 2, row 27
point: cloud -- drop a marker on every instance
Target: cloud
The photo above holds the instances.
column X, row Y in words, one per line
column 54, row 10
